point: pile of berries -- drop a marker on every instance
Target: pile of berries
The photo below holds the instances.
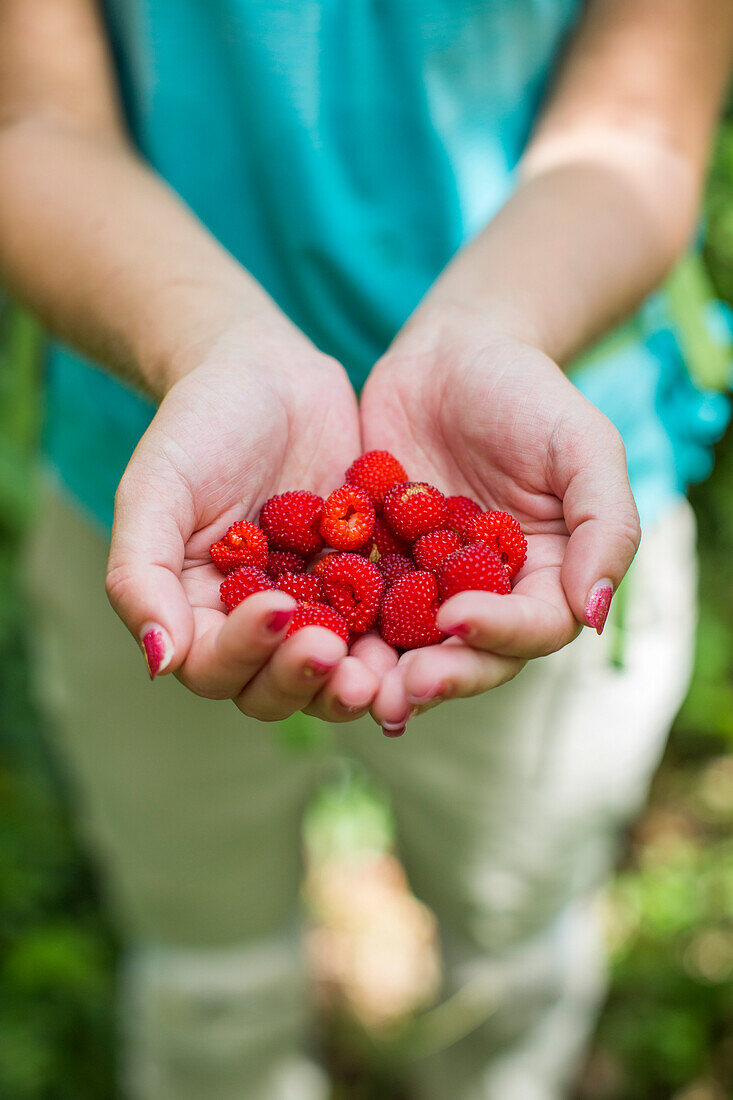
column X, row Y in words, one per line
column 380, row 552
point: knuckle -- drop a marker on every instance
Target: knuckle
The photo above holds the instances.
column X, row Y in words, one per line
column 607, row 442
column 122, row 492
column 629, row 535
column 119, row 585
column 627, row 526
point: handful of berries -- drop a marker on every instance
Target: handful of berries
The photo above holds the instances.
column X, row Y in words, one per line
column 380, row 551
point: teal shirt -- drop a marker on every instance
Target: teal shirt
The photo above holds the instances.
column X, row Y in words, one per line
column 343, row 150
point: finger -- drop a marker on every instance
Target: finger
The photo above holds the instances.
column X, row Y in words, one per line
column 534, row 621
column 455, row 671
column 390, row 709
column 347, row 694
column 374, row 652
column 296, row 672
column 229, row 650
column 144, row 568
column 602, row 519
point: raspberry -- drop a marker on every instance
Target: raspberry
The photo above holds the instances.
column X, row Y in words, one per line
column 387, row 542
column 376, row 472
column 502, row 534
column 474, row 568
column 301, row 586
column 243, row 544
column 394, row 566
column 409, row 607
column 243, row 582
column 318, row 614
column 430, row 550
column 354, row 586
column 369, row 550
column 283, row 561
column 348, row 518
column 461, row 510
column 321, row 564
column 415, row 508
column 292, row 521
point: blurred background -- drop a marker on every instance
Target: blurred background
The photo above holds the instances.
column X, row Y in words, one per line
column 667, row 1030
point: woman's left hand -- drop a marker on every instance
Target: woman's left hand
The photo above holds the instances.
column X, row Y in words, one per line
column 477, row 412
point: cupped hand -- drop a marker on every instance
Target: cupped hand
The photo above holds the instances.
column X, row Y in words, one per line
column 255, row 418
column 479, row 413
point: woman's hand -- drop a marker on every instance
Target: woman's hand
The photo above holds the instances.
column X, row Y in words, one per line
column 258, row 416
column 477, row 412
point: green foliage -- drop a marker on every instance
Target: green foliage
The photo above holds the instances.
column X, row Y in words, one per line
column 719, row 207
column 56, row 953
column 666, row 1028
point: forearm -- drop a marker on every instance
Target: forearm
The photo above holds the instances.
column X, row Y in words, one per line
column 109, row 257
column 609, row 186
column 576, row 248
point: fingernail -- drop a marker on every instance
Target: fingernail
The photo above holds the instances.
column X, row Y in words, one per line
column 599, row 601
column 458, row 630
column 157, row 649
column 278, row 620
column 430, row 695
column 396, row 729
column 317, row 668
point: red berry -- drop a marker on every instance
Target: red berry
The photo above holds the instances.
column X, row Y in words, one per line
column 409, row 607
column 320, row 565
column 461, row 510
column 284, row 561
column 292, row 521
column 431, row 549
column 243, row 544
column 354, row 586
column 240, row 584
column 502, row 534
column 301, row 586
column 368, row 550
column 474, row 568
column 394, row 566
column 348, row 518
column 415, row 508
column 376, row 472
column 387, row 542
column 318, row 614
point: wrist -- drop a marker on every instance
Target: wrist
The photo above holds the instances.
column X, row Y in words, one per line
column 444, row 326
column 263, row 350
column 201, row 321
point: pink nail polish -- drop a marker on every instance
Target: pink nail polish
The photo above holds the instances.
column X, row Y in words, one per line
column 599, row 601
column 393, row 731
column 157, row 649
column 279, row 620
column 396, row 729
column 458, row 630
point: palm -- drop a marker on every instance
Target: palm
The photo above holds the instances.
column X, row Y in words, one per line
column 227, row 437
column 246, row 452
column 502, row 425
column 490, row 437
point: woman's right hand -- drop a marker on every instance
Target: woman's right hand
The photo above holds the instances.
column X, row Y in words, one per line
column 258, row 416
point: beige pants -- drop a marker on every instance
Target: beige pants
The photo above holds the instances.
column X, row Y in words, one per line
column 507, row 808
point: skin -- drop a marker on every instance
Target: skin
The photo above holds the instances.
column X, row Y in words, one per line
column 200, row 459
column 471, row 394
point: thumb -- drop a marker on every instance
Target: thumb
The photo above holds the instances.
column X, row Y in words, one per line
column 152, row 511
column 601, row 516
